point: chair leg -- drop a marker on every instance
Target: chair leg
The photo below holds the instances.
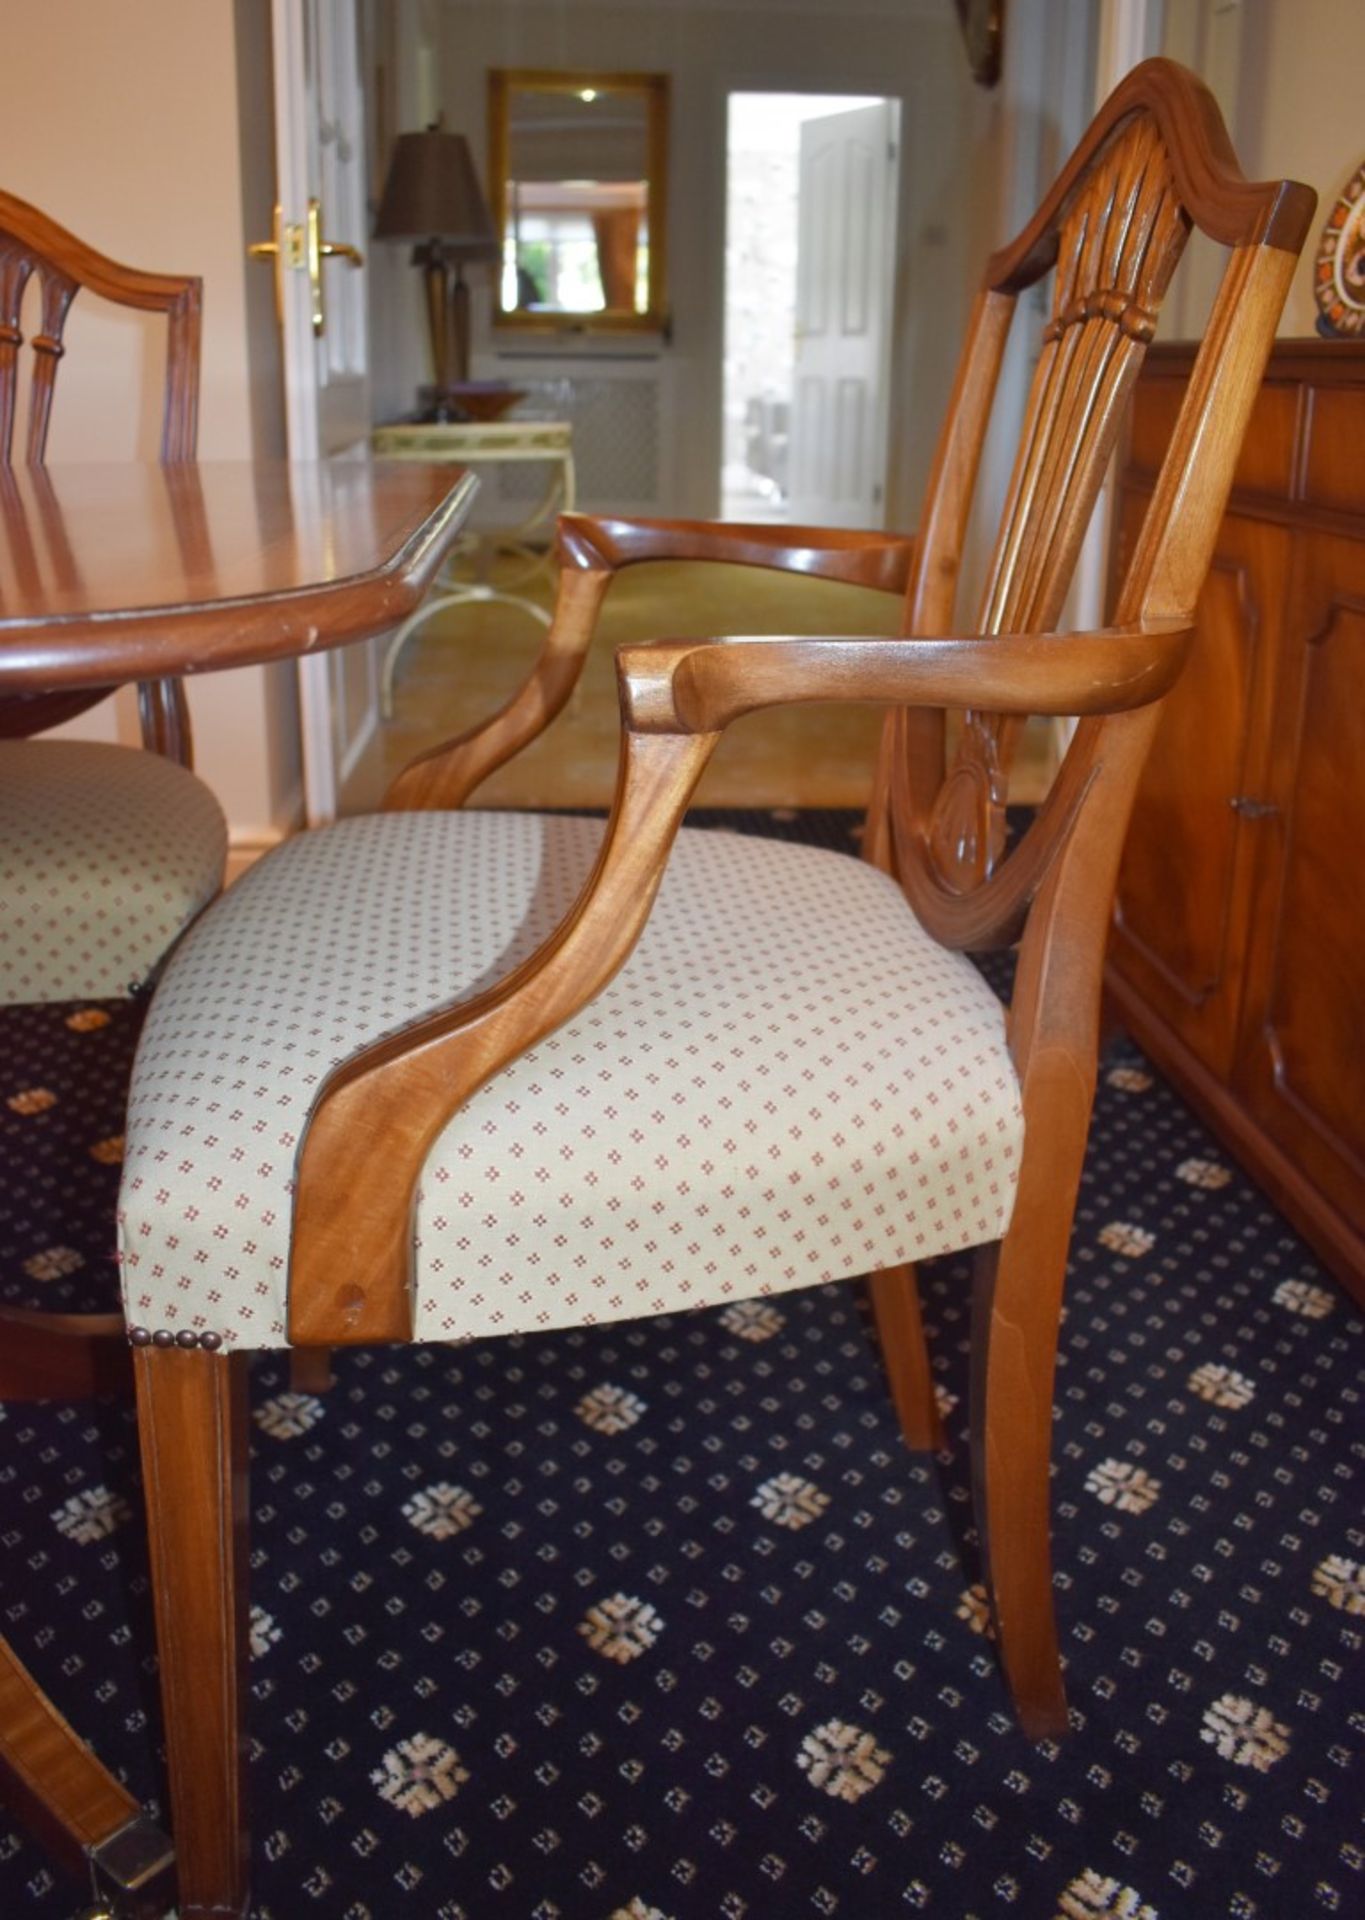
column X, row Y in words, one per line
column 62, row 1356
column 193, row 1429
column 900, row 1329
column 1016, row 1308
column 310, row 1370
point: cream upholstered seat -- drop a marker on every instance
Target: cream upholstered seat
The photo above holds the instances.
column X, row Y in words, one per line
column 106, row 854
column 805, row 1084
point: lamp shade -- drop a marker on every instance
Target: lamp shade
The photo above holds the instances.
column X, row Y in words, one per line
column 433, row 193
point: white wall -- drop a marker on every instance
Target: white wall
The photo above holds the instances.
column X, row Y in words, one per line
column 1299, row 110
column 909, row 48
column 146, row 128
column 1287, row 74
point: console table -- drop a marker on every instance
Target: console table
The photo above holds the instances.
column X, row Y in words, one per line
column 1238, row 950
column 479, row 443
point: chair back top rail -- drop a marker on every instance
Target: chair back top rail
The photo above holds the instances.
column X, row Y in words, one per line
column 32, row 243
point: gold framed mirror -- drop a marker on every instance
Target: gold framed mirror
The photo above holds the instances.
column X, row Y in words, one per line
column 578, row 179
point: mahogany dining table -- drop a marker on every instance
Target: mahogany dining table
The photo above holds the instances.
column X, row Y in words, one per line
column 121, row 571
column 118, row 572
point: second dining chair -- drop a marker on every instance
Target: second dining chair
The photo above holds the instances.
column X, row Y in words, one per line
column 440, row 1074
column 106, row 852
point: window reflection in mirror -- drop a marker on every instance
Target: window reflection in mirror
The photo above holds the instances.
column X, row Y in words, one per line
column 578, row 185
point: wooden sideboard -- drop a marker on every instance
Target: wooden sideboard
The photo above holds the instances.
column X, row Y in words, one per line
column 1238, row 950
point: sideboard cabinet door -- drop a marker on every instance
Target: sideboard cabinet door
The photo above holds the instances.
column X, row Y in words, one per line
column 1185, row 883
column 1301, row 1057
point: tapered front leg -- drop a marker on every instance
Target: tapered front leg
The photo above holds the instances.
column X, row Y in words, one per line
column 193, row 1430
column 1016, row 1310
column 900, row 1330
column 310, row 1370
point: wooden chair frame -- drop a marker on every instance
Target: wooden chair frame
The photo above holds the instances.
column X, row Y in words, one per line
column 1155, row 161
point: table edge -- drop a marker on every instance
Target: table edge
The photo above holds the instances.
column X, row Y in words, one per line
column 46, row 654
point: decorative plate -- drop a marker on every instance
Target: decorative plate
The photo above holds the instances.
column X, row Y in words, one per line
column 1339, row 271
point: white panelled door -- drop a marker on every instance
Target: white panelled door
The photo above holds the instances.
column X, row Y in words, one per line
column 320, row 232
column 845, row 275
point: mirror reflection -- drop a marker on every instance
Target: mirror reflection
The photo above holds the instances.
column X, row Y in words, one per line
column 578, row 188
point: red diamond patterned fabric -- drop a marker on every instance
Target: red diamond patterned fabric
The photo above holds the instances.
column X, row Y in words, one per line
column 106, row 853
column 788, row 1082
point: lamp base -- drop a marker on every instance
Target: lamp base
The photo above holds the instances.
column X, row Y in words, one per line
column 447, row 314
column 478, row 401
column 436, row 277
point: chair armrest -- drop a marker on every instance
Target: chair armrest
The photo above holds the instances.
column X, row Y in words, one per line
column 860, row 559
column 378, row 1113
column 701, row 686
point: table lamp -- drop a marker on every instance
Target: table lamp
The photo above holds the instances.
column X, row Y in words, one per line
column 432, row 196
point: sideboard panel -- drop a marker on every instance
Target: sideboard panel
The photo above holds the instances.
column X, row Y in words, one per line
column 1301, row 1068
column 1185, row 874
column 1238, row 950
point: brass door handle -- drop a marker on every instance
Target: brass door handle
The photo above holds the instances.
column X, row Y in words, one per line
column 292, row 248
column 319, row 250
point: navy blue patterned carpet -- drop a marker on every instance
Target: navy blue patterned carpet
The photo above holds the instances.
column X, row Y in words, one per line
column 661, row 1622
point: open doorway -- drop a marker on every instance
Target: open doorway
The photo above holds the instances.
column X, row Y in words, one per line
column 809, row 284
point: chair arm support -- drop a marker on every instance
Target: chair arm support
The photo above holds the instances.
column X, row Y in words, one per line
column 447, row 775
column 592, row 551
column 861, row 559
column 379, row 1112
column 701, row 686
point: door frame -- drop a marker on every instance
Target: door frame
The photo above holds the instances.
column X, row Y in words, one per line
column 726, row 88
column 303, row 413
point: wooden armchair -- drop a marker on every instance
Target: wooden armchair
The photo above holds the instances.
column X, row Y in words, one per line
column 105, row 854
column 430, row 1075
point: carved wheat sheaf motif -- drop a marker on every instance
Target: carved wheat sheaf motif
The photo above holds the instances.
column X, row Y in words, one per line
column 1119, row 244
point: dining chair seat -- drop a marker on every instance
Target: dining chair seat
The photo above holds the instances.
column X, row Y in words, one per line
column 106, row 854
column 788, row 1082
